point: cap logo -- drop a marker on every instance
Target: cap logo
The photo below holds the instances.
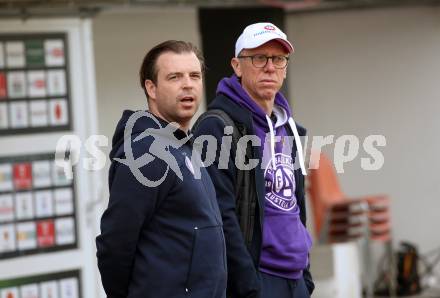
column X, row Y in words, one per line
column 269, row 27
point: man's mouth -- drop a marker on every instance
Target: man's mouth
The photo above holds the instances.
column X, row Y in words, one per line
column 268, row 81
column 187, row 99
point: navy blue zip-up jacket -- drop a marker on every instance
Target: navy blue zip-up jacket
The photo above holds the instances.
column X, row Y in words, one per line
column 164, row 241
column 243, row 279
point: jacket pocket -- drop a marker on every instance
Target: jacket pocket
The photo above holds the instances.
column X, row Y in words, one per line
column 207, row 269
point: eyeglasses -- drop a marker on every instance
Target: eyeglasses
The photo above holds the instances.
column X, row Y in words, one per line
column 260, row 61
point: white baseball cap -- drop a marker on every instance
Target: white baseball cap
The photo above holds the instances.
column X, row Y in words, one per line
column 258, row 34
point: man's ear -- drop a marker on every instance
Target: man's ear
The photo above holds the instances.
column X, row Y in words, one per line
column 235, row 63
column 151, row 88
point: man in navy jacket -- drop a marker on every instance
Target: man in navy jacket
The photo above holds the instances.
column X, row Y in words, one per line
column 266, row 239
column 161, row 235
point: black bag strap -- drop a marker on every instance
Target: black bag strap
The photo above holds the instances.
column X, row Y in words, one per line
column 244, row 194
column 236, row 135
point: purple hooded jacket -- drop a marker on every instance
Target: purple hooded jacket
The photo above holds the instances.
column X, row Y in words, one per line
column 286, row 242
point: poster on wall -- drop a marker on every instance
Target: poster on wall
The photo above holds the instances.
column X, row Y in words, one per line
column 37, row 206
column 34, row 83
column 55, row 285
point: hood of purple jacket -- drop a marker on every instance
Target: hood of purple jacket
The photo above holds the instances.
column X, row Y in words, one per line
column 231, row 87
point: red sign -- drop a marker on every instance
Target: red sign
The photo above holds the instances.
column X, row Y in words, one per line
column 57, row 52
column 2, row 85
column 39, row 84
column 45, row 233
column 58, row 111
column 22, row 176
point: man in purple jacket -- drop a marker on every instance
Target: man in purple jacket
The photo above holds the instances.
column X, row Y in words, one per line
column 264, row 216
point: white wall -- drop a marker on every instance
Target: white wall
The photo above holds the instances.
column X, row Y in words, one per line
column 121, row 40
column 377, row 72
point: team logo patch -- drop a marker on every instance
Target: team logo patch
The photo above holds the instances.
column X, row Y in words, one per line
column 280, row 182
column 269, row 27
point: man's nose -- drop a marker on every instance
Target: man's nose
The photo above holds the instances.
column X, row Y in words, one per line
column 187, row 82
column 269, row 65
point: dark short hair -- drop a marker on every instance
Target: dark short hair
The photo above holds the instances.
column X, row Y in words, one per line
column 149, row 70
